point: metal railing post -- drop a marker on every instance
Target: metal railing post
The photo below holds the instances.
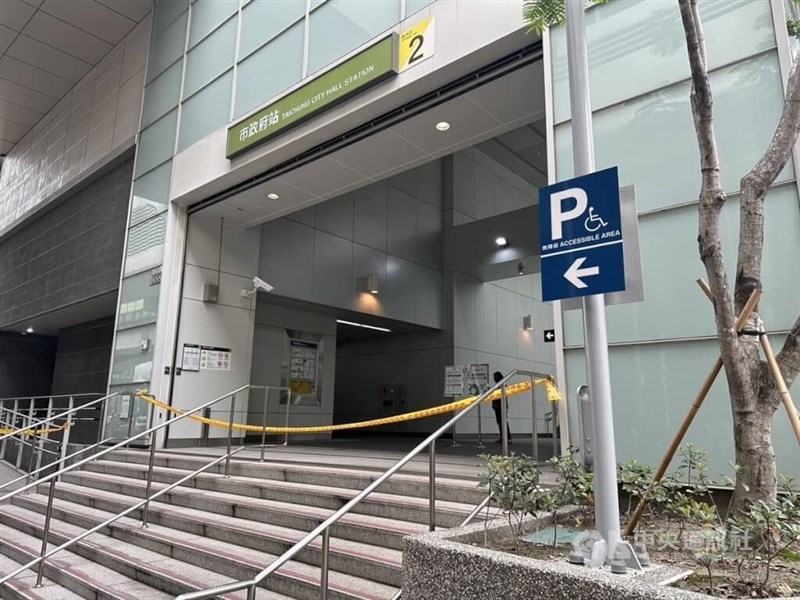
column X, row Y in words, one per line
column 251, row 593
column 554, row 413
column 288, row 404
column 44, row 436
column 20, row 445
column 65, row 434
column 480, row 427
column 432, row 485
column 3, row 443
column 504, row 419
column 534, row 444
column 264, row 425
column 230, row 437
column 46, row 531
column 323, row 576
column 150, row 463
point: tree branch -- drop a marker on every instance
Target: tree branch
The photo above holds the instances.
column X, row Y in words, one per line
column 754, row 187
column 789, row 357
column 712, row 196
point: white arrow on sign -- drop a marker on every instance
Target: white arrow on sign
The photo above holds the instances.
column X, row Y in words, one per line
column 574, row 273
column 549, row 336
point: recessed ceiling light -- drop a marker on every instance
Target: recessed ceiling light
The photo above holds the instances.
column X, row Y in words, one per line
column 443, row 126
column 273, row 196
column 29, row 330
column 501, row 241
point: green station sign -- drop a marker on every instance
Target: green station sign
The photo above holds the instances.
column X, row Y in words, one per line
column 367, row 68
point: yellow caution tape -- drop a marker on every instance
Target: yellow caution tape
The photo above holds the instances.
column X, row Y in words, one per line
column 35, row 431
column 553, row 396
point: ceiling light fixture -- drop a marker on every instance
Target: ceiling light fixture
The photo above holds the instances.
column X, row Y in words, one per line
column 29, row 330
column 443, row 126
column 501, row 241
column 273, row 196
column 363, row 325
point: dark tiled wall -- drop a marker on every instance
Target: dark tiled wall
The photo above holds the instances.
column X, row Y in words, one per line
column 70, row 253
column 26, row 364
column 82, row 357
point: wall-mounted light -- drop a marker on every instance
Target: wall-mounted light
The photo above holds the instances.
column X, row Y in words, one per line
column 501, row 241
column 520, row 269
column 372, row 283
column 527, row 323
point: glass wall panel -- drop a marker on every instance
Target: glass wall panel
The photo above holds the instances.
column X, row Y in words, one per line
column 210, row 58
column 338, row 26
column 206, row 111
column 138, row 302
column 653, row 386
column 413, row 6
column 262, row 20
column 162, row 94
column 156, row 143
column 167, row 47
column 165, row 13
column 253, row 86
column 671, row 265
column 146, row 245
column 207, row 15
column 133, row 355
column 645, row 42
column 652, row 138
column 151, row 193
column 126, row 414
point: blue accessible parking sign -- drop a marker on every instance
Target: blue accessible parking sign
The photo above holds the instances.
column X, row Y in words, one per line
column 581, row 235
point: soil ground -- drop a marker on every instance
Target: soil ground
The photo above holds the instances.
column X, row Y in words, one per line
column 733, row 575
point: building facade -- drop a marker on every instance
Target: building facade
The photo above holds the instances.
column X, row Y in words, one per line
column 362, row 158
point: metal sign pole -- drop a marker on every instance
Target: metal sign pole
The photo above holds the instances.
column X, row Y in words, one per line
column 594, row 309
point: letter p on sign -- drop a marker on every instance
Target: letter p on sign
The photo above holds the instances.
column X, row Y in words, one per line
column 557, row 213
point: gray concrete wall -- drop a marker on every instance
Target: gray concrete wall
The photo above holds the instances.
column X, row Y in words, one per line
column 26, row 364
column 71, row 253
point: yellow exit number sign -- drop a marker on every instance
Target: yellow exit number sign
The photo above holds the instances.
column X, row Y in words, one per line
column 416, row 44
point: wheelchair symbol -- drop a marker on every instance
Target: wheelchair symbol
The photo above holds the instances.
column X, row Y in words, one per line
column 593, row 222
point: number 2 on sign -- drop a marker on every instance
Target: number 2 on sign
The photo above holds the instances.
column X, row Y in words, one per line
column 416, row 44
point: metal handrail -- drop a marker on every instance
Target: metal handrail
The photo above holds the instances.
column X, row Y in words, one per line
column 50, row 396
column 324, row 527
column 124, row 442
column 40, row 560
column 60, row 415
column 51, row 465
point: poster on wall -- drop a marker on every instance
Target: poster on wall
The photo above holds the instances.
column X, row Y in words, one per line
column 454, row 380
column 215, row 359
column 191, row 357
column 477, row 379
column 303, row 367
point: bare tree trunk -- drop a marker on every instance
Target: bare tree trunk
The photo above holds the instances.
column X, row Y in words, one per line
column 753, row 395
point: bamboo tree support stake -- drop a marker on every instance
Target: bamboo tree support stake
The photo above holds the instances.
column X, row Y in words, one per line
column 687, row 421
column 777, row 376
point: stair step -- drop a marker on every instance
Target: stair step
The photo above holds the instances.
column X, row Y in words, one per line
column 79, row 575
column 168, row 508
column 448, row 489
column 130, row 480
column 181, row 559
column 22, row 587
column 354, row 558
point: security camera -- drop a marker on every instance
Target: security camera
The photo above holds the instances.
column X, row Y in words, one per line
column 260, row 284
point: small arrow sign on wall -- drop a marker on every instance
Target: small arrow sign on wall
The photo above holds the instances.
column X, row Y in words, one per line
column 549, row 335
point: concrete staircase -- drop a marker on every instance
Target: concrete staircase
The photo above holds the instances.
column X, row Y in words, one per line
column 214, row 530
